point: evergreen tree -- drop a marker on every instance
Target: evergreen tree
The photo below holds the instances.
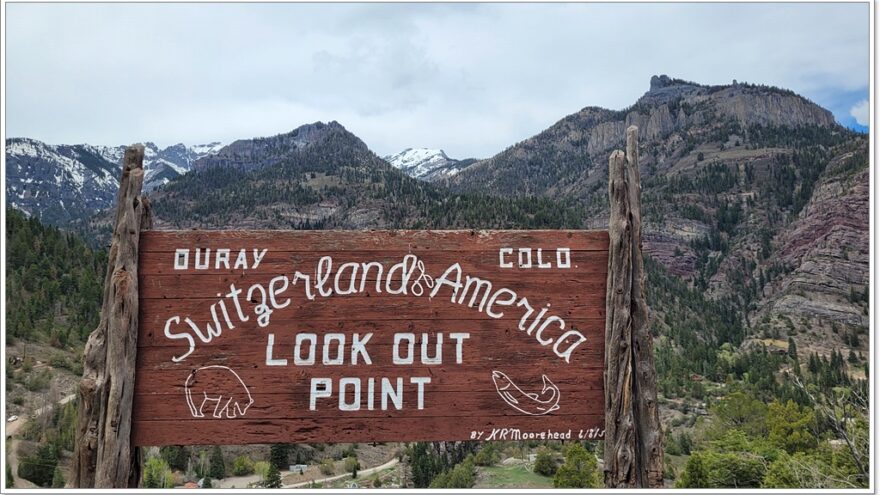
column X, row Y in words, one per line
column 792, row 348
column 424, row 466
column 176, row 456
column 40, row 467
column 279, row 455
column 273, row 477
column 218, row 467
column 791, row 426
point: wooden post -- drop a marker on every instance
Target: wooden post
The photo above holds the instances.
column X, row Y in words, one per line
column 104, row 457
column 633, row 436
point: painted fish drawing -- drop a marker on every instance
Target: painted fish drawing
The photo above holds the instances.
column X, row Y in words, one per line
column 528, row 403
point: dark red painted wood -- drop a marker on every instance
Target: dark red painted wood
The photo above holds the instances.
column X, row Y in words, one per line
column 263, row 401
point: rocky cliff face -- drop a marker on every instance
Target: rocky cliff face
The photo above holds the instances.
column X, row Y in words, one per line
column 740, row 196
column 538, row 164
column 826, row 252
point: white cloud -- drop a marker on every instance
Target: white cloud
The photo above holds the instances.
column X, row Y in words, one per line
column 469, row 78
column 861, row 112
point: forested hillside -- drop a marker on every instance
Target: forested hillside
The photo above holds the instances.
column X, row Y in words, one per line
column 53, row 283
column 337, row 182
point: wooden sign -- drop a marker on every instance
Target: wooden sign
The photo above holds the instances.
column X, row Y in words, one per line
column 252, row 337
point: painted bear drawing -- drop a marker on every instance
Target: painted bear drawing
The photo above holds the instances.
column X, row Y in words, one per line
column 222, row 387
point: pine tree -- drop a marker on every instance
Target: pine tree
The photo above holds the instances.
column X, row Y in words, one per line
column 792, row 348
column 279, row 455
column 273, row 478
column 218, row 467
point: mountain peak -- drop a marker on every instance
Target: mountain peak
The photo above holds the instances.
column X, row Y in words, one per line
column 260, row 152
column 426, row 163
column 658, row 82
column 664, row 81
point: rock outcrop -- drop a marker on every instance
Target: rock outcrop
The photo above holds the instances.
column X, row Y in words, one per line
column 827, row 250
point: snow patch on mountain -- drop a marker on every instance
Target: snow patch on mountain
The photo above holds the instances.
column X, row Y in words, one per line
column 61, row 183
column 425, row 163
column 162, row 165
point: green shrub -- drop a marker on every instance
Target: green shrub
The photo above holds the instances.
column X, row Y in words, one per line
column 545, row 463
column 157, row 474
column 261, row 468
column 242, row 466
column 580, row 469
column 488, row 455
column 352, row 465
column 38, row 381
column 327, row 467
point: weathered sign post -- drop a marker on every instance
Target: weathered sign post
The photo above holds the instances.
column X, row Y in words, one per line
column 104, row 456
column 241, row 337
column 633, row 434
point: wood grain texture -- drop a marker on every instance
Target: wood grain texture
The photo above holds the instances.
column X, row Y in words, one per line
column 275, row 401
column 104, row 455
column 376, row 240
column 633, row 435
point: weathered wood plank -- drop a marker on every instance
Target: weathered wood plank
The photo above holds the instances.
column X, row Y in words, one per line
column 301, row 430
column 472, row 262
column 484, row 333
column 182, row 287
column 157, row 311
column 441, row 403
column 263, row 379
column 396, row 240
column 554, row 366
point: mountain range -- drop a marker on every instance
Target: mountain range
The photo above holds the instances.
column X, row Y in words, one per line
column 63, row 183
column 753, row 196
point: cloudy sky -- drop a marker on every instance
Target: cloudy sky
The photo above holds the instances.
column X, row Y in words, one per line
column 469, row 78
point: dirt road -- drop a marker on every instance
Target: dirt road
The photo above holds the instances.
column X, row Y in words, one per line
column 243, row 481
column 12, row 430
column 365, row 472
